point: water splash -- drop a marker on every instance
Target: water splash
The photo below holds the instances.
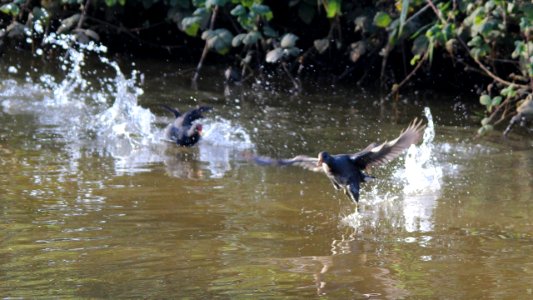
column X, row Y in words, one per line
column 422, row 173
column 221, row 132
column 418, row 185
column 101, row 113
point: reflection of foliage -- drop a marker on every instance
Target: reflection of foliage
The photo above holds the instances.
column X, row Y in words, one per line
column 491, row 37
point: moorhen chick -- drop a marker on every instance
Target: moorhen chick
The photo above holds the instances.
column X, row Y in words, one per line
column 182, row 131
column 346, row 170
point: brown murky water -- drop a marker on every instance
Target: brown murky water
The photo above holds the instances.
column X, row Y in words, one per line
column 84, row 216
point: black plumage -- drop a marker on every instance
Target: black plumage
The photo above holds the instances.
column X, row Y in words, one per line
column 346, row 170
column 183, row 131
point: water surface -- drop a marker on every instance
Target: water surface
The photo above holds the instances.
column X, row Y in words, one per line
column 94, row 205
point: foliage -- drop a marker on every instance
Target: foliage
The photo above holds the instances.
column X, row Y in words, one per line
column 489, row 37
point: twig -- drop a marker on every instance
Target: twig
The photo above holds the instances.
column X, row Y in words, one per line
column 206, row 49
column 294, row 81
column 397, row 87
column 83, row 13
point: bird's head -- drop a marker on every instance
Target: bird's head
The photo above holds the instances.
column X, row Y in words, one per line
column 323, row 157
column 195, row 130
column 198, row 128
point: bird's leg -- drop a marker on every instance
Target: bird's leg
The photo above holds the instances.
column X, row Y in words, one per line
column 336, row 185
column 353, row 192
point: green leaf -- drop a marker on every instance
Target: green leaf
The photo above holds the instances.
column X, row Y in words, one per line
column 10, row 9
column 333, row 8
column 420, row 45
column 321, row 45
column 251, row 38
column 288, row 40
column 239, row 10
column 110, row 3
column 219, row 40
column 292, row 51
column 262, row 10
column 362, row 23
column 508, row 92
column 403, row 15
column 40, row 13
column 237, row 40
column 212, row 3
column 485, row 121
column 496, row 101
column 191, row 25
column 274, row 55
column 382, row 19
column 415, row 59
column 358, row 49
column 485, row 100
column 268, row 31
column 68, row 23
column 198, row 3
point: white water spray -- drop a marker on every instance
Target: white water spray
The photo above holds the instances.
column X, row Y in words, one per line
column 422, row 173
column 420, row 180
column 103, row 115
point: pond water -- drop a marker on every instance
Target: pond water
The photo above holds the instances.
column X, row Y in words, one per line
column 95, row 205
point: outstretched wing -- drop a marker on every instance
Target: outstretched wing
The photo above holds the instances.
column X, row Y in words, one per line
column 304, row 161
column 194, row 114
column 176, row 112
column 375, row 155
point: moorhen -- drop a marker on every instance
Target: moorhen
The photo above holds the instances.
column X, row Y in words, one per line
column 346, row 170
column 182, row 131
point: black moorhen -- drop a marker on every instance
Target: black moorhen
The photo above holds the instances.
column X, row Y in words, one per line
column 346, row 170
column 182, row 131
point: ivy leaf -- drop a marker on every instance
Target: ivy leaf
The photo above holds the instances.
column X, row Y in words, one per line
column 420, row 45
column 219, row 40
column 358, row 49
column 292, row 51
column 508, row 92
column 251, row 38
column 68, row 23
column 288, row 40
column 485, row 100
column 382, row 19
column 274, row 55
column 239, row 10
column 10, row 9
column 191, row 25
column 263, row 11
column 237, row 40
column 403, row 14
column 212, row 3
column 496, row 101
column 414, row 60
column 268, row 31
column 321, row 45
column 333, row 8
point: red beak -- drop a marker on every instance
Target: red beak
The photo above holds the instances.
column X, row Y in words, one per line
column 319, row 163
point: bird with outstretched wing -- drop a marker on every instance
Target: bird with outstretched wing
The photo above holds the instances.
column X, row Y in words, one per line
column 346, row 170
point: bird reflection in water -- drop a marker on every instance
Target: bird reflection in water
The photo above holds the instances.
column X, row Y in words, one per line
column 203, row 161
